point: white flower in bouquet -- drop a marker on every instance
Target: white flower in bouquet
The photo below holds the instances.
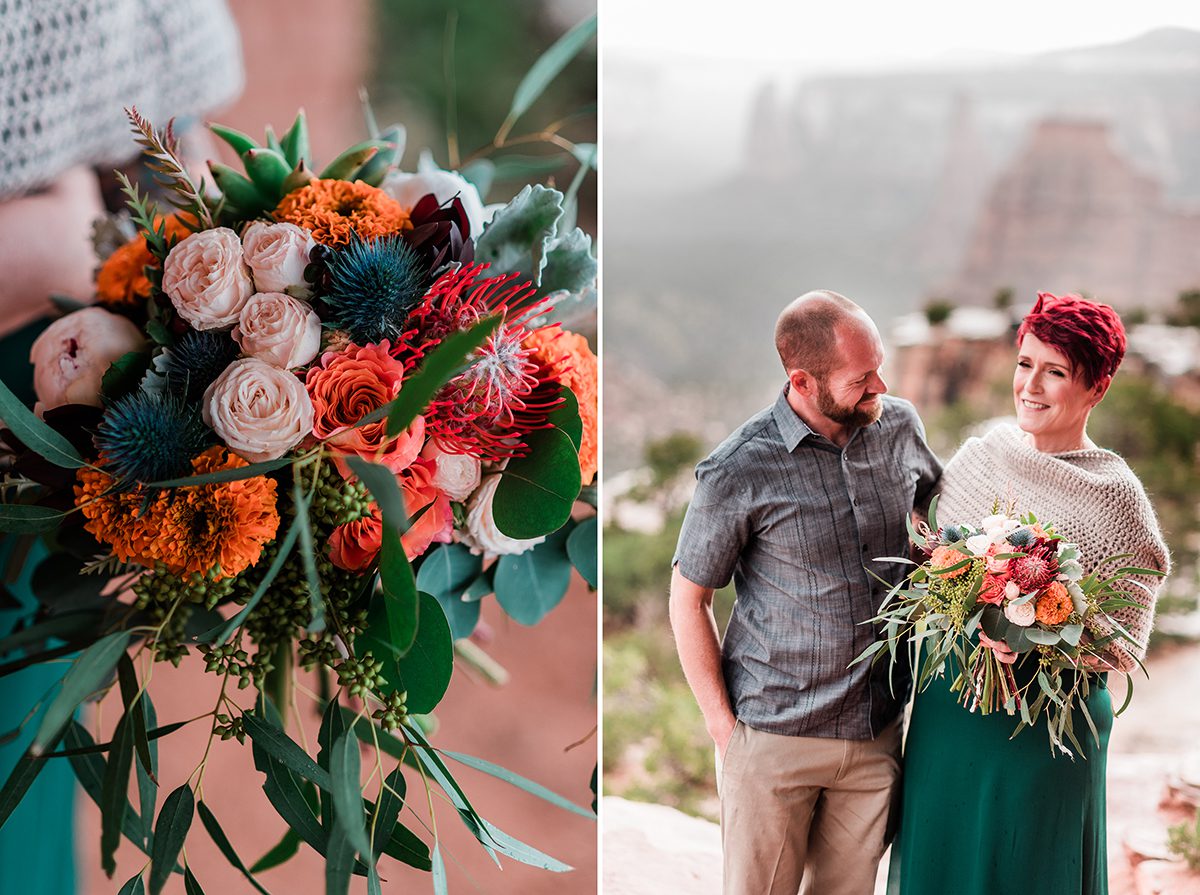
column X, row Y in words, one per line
column 1023, row 614
column 71, row 356
column 482, row 535
column 407, row 189
column 998, row 525
column 979, row 544
column 278, row 329
column 260, row 411
column 277, row 255
column 207, row 280
column 457, row 475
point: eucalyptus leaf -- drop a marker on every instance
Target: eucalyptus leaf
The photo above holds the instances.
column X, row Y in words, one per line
column 424, row 671
column 522, row 852
column 347, row 796
column 285, row 750
column 445, row 573
column 480, row 174
column 174, row 820
column 235, row 474
column 83, row 678
column 543, row 72
column 530, row 584
column 1072, row 634
column 280, row 853
column 191, row 885
column 518, row 781
column 36, row 434
column 387, row 810
column 401, row 603
column 440, row 886
column 112, row 794
column 134, row 886
column 28, row 519
column 582, row 549
column 27, row 768
column 308, row 555
column 339, row 861
column 526, row 167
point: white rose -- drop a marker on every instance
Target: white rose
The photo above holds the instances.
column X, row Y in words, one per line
column 1011, row 590
column 72, row 355
column 457, row 475
column 407, row 189
column 482, row 536
column 260, row 411
column 978, row 544
column 277, row 255
column 206, row 277
column 278, row 329
column 1022, row 614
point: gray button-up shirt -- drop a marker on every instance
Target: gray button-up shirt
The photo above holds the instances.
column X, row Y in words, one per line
column 796, row 521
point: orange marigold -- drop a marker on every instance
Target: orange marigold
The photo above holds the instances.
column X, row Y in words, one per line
column 122, row 280
column 575, row 366
column 1054, row 604
column 219, row 528
column 333, row 209
column 944, row 557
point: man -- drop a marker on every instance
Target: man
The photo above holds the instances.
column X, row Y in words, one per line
column 793, row 506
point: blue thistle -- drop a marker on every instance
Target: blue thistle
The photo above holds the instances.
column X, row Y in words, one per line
column 146, row 437
column 370, row 287
column 951, row 534
column 1021, row 537
column 194, row 362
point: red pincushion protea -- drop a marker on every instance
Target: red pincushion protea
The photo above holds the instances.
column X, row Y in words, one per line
column 505, row 393
column 1036, row 568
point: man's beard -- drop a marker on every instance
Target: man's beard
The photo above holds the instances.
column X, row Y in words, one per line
column 853, row 416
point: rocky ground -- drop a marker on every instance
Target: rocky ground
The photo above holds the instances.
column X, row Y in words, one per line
column 1153, row 782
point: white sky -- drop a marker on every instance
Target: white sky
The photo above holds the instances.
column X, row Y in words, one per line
column 880, row 32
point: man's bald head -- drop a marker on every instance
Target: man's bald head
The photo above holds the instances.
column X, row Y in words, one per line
column 806, row 333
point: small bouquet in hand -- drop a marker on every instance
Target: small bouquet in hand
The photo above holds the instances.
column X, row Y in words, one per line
column 313, row 419
column 1007, row 600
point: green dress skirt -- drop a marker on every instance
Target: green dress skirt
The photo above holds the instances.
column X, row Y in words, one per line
column 37, row 855
column 987, row 815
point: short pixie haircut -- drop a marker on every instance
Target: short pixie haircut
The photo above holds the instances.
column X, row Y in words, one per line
column 1089, row 333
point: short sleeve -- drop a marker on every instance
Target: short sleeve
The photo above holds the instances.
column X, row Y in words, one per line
column 716, row 528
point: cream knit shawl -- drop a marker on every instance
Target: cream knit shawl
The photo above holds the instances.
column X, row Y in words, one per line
column 1091, row 495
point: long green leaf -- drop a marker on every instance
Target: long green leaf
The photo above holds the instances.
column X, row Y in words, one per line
column 218, row 836
column 135, row 709
column 401, row 599
column 547, row 67
column 27, row 768
column 82, row 679
column 347, row 796
column 147, row 777
column 65, row 626
column 442, row 365
column 440, row 886
column 333, row 725
column 523, row 852
column 113, row 799
column 280, row 853
column 381, row 482
column 174, row 820
column 28, row 519
column 285, row 750
column 339, row 861
column 191, row 885
column 135, row 886
column 151, row 735
column 35, row 433
column 387, row 809
column 518, row 781
column 308, row 555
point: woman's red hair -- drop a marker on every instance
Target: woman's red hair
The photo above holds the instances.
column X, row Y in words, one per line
column 1090, row 334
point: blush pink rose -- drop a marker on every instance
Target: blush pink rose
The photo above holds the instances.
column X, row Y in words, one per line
column 996, row 566
column 1022, row 614
column 281, row 330
column 207, row 280
column 457, row 474
column 277, row 255
column 346, row 386
column 72, row 355
column 260, row 411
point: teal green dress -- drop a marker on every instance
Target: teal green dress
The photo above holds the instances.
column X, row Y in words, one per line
column 37, row 841
column 987, row 815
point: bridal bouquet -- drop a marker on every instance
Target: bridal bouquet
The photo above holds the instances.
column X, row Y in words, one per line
column 1008, row 601
column 312, row 421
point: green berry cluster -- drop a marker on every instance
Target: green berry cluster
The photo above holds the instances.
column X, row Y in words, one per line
column 362, row 675
column 336, row 501
column 227, row 728
column 230, row 659
column 394, row 713
column 163, row 588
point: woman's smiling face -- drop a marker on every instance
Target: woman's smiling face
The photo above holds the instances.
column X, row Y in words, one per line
column 1052, row 400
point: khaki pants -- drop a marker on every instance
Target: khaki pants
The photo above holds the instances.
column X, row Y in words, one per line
column 805, row 810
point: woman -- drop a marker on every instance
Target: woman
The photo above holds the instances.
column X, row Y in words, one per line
column 984, row 814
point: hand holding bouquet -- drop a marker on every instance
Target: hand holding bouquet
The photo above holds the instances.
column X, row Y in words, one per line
column 1007, row 604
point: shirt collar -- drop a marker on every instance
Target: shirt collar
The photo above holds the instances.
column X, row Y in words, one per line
column 792, row 429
